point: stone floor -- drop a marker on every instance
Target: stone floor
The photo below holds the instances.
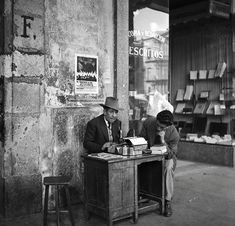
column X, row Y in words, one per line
column 204, row 196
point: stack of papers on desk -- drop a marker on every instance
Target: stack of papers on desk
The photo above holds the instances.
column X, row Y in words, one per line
column 105, row 156
column 158, row 149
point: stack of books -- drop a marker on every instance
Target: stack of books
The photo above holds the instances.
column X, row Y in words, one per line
column 158, row 149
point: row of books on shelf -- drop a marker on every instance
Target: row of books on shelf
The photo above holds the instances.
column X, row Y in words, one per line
column 200, row 125
column 212, row 108
column 213, row 139
column 208, row 74
column 185, row 95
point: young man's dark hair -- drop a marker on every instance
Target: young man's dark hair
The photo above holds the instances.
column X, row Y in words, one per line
column 165, row 117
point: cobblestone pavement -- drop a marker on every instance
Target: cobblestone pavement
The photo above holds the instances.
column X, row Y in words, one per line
column 204, row 196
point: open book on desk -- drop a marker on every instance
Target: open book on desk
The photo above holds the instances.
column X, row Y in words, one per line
column 158, row 149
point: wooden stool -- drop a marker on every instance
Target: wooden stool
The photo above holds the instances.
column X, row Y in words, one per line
column 56, row 181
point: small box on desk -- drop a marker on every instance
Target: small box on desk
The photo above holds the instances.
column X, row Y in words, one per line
column 132, row 146
column 136, row 145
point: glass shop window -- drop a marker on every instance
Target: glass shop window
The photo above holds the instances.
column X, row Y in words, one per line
column 148, row 65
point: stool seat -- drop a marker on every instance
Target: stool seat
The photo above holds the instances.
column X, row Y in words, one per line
column 57, row 181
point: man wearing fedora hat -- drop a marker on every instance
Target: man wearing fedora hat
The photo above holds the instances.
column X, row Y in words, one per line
column 103, row 131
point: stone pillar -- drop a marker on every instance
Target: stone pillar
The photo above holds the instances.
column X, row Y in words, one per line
column 22, row 70
column 122, row 46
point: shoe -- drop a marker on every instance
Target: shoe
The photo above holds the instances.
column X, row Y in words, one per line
column 168, row 209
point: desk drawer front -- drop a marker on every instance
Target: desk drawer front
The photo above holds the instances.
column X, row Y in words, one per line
column 121, row 188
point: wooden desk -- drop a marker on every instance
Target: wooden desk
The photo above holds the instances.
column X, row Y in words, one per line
column 112, row 187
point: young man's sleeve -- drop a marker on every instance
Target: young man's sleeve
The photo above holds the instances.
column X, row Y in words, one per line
column 172, row 143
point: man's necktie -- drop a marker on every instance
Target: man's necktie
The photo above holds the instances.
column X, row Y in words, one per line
column 110, row 132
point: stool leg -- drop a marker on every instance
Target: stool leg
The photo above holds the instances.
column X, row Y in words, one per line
column 45, row 206
column 57, row 205
column 110, row 222
column 69, row 204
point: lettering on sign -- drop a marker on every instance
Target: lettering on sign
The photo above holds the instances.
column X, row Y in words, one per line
column 136, row 33
column 26, row 25
column 145, row 52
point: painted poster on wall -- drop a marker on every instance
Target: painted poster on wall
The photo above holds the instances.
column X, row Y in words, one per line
column 86, row 74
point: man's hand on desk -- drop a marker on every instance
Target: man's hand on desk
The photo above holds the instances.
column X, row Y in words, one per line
column 106, row 145
column 110, row 146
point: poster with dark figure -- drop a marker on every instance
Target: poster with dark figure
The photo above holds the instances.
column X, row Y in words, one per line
column 86, row 74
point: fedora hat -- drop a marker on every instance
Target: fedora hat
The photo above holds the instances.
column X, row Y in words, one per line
column 111, row 102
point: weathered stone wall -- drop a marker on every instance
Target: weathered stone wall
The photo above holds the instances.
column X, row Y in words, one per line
column 1, row 143
column 74, row 27
column 82, row 27
column 44, row 121
column 23, row 70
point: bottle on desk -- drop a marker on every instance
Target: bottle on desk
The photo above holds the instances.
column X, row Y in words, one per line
column 120, row 136
column 124, row 149
column 133, row 132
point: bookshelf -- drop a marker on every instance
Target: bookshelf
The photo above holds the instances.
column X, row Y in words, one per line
column 203, row 104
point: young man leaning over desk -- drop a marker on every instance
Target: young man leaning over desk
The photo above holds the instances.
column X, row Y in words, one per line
column 160, row 130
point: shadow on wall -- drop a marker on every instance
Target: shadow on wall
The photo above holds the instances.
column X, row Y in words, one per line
column 66, row 167
column 65, row 164
column 69, row 130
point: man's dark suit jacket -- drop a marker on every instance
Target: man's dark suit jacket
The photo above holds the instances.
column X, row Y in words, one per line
column 97, row 134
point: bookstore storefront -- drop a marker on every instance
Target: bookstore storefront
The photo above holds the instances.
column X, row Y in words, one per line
column 202, row 71
column 200, row 83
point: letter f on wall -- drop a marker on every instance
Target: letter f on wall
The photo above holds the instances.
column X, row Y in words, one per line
column 26, row 25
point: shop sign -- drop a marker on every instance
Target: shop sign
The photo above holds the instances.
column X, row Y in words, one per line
column 145, row 52
column 146, row 33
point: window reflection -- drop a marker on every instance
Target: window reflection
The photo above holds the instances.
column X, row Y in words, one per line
column 148, row 65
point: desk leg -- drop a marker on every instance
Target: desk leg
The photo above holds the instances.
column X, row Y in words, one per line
column 163, row 187
column 87, row 213
column 135, row 218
